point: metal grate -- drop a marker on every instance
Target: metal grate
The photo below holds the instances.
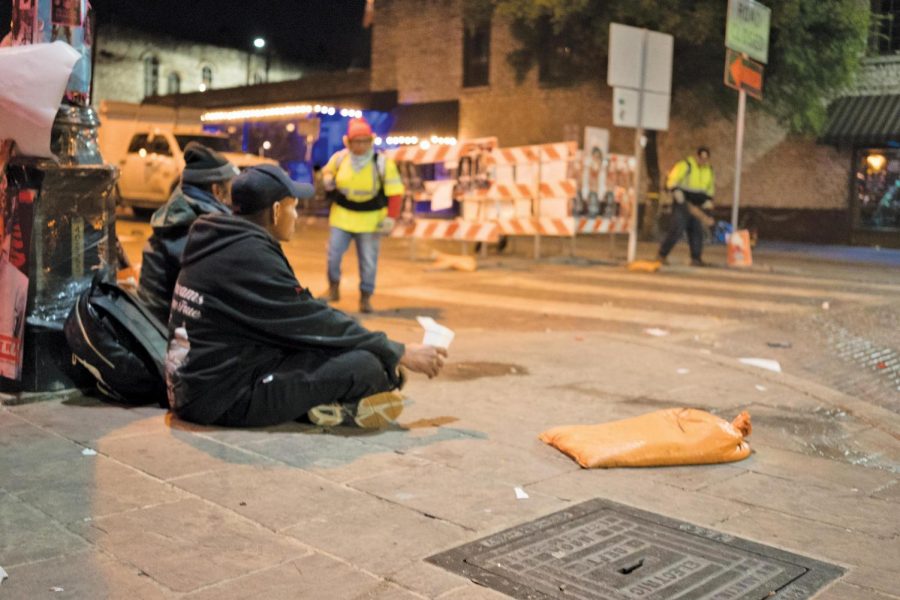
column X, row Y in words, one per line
column 600, row 550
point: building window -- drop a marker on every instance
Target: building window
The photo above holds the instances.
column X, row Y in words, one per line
column 477, row 55
column 206, row 76
column 884, row 35
column 151, row 76
column 173, row 84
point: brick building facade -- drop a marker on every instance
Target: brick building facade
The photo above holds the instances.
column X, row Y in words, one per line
column 793, row 187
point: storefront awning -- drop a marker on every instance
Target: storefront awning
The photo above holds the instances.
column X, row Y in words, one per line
column 863, row 120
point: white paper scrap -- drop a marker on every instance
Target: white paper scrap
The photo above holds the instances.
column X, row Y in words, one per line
column 34, row 80
column 89, row 452
column 3, row 575
column 683, row 371
column 435, row 334
column 56, row 588
column 760, row 388
column 826, row 305
column 656, row 332
column 520, row 494
column 762, row 363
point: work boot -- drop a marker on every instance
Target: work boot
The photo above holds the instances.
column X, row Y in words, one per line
column 372, row 412
column 333, row 294
column 663, row 260
column 365, row 303
column 699, row 262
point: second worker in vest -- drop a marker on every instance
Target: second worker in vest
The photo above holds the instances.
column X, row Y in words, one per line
column 692, row 185
column 360, row 183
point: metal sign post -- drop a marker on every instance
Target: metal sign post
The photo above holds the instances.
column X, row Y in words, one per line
column 640, row 71
column 738, row 157
column 638, row 148
column 747, row 32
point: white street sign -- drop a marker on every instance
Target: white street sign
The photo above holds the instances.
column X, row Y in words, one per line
column 654, row 113
column 625, row 59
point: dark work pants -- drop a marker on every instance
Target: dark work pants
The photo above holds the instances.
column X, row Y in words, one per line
column 683, row 220
column 306, row 379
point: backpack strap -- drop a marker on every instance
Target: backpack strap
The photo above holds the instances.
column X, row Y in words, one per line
column 133, row 317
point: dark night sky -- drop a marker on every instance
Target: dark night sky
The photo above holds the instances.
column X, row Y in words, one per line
column 318, row 32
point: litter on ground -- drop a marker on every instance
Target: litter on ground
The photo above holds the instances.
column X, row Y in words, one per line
column 89, row 452
column 521, row 494
column 656, row 332
column 762, row 363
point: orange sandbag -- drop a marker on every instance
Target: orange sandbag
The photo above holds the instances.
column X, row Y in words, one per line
column 644, row 266
column 675, row 436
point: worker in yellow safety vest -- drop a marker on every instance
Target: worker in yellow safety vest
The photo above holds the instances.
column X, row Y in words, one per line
column 360, row 184
column 692, row 184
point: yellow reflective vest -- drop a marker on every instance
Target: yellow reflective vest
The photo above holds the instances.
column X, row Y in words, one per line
column 360, row 186
column 687, row 175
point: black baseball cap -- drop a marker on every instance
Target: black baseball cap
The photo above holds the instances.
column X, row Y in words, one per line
column 258, row 188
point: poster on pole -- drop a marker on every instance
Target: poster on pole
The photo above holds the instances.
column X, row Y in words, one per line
column 13, row 282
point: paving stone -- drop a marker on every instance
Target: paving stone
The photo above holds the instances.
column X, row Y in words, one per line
column 191, row 544
column 96, row 486
column 845, row 591
column 819, row 471
column 427, row 579
column 83, row 575
column 641, row 489
column 312, row 576
column 846, row 509
column 698, row 477
column 455, row 496
column 276, row 497
column 172, row 453
column 85, row 420
column 880, row 558
column 29, row 535
column 484, row 458
column 890, row 492
column 473, row 592
column 376, row 535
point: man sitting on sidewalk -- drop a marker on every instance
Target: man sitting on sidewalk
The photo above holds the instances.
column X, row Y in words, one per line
column 249, row 346
column 205, row 189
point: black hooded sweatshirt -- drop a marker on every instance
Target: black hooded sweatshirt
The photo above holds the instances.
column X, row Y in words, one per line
column 238, row 310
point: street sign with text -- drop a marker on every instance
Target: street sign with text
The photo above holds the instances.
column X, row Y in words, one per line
column 747, row 29
column 741, row 73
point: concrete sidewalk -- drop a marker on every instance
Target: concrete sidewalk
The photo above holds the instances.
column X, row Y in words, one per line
column 169, row 510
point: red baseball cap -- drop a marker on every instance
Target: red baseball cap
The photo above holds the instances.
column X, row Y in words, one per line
column 359, row 128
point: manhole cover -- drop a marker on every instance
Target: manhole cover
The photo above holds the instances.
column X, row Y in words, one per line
column 600, row 550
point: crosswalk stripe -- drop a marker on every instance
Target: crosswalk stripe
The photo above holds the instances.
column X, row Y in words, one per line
column 735, row 302
column 738, row 288
column 713, row 273
column 565, row 309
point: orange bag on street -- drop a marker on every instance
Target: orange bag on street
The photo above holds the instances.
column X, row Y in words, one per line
column 675, row 436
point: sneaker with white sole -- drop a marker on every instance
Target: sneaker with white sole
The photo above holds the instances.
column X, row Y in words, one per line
column 372, row 412
column 379, row 410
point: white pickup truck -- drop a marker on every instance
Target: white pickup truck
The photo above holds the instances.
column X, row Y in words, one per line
column 151, row 167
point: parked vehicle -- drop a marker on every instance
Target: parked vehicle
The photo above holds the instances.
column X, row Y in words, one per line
column 147, row 145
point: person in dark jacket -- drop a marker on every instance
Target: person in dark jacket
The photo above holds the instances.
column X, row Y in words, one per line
column 205, row 189
column 249, row 346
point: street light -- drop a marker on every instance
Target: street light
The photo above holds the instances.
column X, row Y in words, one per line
column 259, row 43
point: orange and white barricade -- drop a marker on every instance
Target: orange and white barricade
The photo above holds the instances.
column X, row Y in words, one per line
column 456, row 230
